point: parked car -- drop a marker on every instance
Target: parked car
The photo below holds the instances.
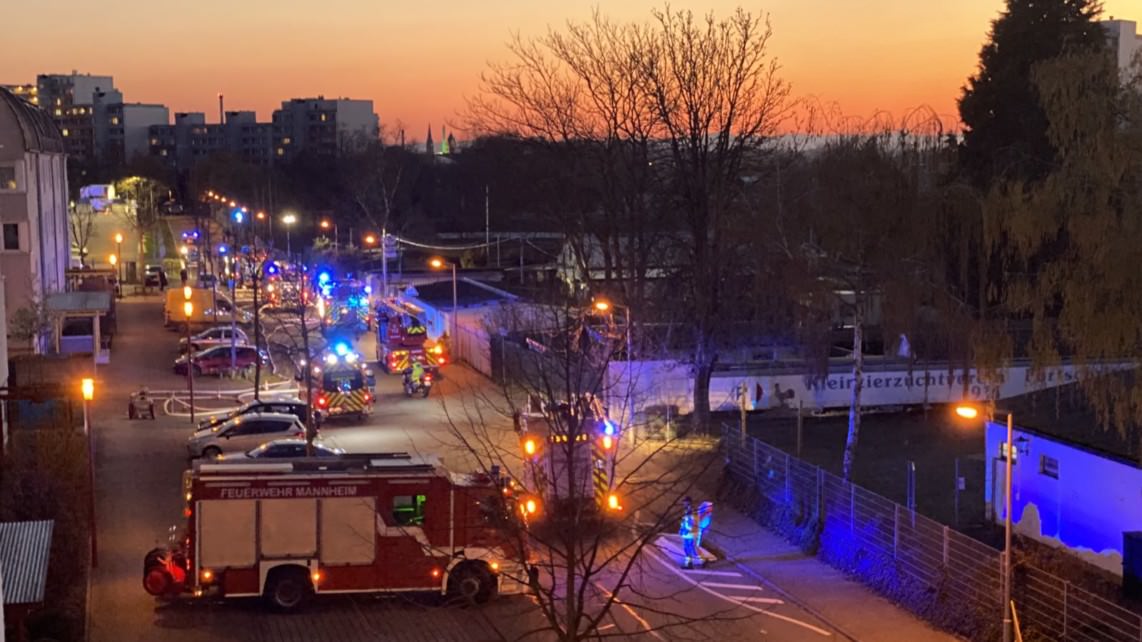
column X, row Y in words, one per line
column 285, row 406
column 151, row 275
column 217, row 360
column 216, row 336
column 284, row 449
column 243, row 433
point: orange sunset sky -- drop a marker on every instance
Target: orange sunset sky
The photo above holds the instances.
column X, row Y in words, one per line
column 417, row 60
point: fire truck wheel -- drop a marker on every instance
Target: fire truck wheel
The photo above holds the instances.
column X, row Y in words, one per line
column 287, row 589
column 472, row 583
column 157, row 581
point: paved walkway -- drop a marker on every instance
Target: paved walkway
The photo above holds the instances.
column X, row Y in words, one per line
column 851, row 608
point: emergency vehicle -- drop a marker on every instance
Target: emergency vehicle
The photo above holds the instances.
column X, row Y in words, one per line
column 287, row 530
column 342, row 388
column 346, row 305
column 401, row 337
column 570, row 453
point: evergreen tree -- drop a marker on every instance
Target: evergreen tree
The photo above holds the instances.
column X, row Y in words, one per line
column 1005, row 127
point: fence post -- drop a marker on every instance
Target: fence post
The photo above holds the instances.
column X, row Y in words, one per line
column 852, row 508
column 756, row 479
column 1065, row 585
column 895, row 530
column 947, row 541
column 788, row 484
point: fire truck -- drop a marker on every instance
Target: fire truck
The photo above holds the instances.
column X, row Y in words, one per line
column 346, row 305
column 291, row 529
column 570, row 453
column 342, row 384
column 401, row 337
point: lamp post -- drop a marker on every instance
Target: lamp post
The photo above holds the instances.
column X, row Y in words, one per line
column 188, row 310
column 288, row 220
column 114, row 261
column 602, row 305
column 119, row 252
column 971, row 412
column 88, row 387
column 438, row 264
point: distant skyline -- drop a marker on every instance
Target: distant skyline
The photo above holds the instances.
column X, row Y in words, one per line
column 417, row 61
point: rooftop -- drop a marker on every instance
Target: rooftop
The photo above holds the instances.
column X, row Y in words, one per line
column 469, row 293
column 39, row 131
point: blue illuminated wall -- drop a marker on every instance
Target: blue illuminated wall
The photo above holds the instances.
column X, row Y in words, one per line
column 1066, row 496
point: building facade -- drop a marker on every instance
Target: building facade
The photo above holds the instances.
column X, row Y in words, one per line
column 1126, row 43
column 33, row 204
column 323, row 126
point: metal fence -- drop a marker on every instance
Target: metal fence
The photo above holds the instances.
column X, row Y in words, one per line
column 938, row 573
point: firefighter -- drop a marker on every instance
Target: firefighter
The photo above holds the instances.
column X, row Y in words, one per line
column 690, row 532
column 416, row 372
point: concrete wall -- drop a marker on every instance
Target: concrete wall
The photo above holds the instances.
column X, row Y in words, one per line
column 1084, row 507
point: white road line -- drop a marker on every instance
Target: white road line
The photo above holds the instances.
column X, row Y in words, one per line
column 763, row 600
column 626, row 607
column 718, row 573
column 749, row 587
column 682, row 574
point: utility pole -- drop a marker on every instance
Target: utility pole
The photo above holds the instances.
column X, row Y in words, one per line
column 744, row 399
column 487, row 225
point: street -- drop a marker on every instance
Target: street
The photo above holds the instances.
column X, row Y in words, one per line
column 139, row 467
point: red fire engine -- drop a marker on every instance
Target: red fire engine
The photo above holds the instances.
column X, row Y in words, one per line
column 403, row 339
column 290, row 529
column 570, row 454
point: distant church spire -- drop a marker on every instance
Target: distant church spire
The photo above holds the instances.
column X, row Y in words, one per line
column 429, row 146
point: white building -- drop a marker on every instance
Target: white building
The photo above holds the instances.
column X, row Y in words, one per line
column 1065, row 495
column 33, row 204
column 1126, row 43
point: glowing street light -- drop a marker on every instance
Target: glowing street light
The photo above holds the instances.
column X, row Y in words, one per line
column 370, row 239
column 602, row 306
column 114, row 260
column 288, row 220
column 188, row 310
column 438, row 263
column 87, row 385
column 967, row 411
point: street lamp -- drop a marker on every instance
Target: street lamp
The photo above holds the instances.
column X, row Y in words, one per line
column 370, row 239
column 288, row 220
column 87, row 385
column 438, row 264
column 119, row 252
column 606, row 307
column 188, row 310
column 326, row 225
column 965, row 411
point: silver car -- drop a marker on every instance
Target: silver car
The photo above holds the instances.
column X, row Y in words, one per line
column 243, row 433
column 284, row 448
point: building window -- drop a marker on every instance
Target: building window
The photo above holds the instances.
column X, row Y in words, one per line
column 286, row 140
column 12, row 237
column 59, row 112
column 8, row 178
column 408, row 510
column 114, row 120
column 66, row 132
column 324, row 117
column 281, row 152
column 1003, row 453
column 1049, row 466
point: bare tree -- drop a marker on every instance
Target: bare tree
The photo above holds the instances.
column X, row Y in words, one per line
column 81, row 220
column 674, row 115
column 577, row 478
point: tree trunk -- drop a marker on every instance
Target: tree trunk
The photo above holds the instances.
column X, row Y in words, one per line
column 703, row 369
column 858, row 385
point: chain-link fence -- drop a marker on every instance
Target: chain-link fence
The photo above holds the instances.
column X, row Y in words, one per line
column 938, row 573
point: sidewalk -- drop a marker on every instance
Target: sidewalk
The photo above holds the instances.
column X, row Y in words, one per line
column 856, row 611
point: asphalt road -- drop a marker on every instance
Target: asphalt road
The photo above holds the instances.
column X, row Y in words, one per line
column 139, row 464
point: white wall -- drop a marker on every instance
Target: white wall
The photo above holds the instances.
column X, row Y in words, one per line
column 1085, row 509
column 671, row 383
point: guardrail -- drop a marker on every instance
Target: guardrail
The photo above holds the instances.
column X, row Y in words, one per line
column 933, row 570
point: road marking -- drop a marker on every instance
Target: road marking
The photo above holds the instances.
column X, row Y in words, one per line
column 763, row 600
column 751, row 587
column 680, row 573
column 646, row 625
column 718, row 573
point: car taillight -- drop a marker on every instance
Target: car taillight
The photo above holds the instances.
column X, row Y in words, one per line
column 428, row 377
column 442, row 360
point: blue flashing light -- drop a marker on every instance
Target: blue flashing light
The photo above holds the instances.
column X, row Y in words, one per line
column 221, row 249
column 238, row 215
column 608, row 428
column 368, row 289
column 341, row 349
column 272, row 268
column 323, row 278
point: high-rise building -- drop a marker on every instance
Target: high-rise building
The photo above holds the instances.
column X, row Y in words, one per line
column 323, row 126
column 1126, row 43
column 190, row 139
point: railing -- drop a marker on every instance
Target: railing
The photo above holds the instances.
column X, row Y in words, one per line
column 938, row 573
